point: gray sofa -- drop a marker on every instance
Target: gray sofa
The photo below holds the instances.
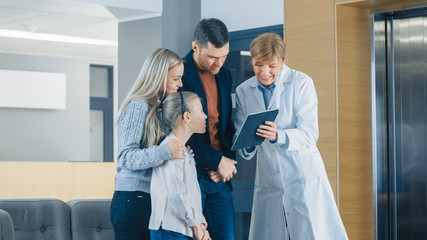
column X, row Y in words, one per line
column 90, row 219
column 6, row 226
column 48, row 218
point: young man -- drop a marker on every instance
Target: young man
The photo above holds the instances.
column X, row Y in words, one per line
column 205, row 75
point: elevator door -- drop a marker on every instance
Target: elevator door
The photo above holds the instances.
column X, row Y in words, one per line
column 402, row 181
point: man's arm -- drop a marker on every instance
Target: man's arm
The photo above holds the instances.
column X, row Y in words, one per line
column 205, row 155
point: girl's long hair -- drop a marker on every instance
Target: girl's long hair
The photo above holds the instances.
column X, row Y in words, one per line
column 171, row 111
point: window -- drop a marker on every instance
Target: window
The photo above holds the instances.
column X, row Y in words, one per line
column 101, row 113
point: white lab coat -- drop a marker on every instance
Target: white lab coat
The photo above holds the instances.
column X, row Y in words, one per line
column 292, row 193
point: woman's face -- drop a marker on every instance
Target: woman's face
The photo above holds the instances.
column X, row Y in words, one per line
column 173, row 81
column 197, row 122
column 267, row 71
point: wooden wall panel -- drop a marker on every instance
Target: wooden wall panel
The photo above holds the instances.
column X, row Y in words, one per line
column 359, row 225
column 328, row 149
column 354, row 109
column 353, row 41
column 62, row 180
column 311, row 50
column 309, row 38
column 308, row 12
column 355, row 169
column 354, row 121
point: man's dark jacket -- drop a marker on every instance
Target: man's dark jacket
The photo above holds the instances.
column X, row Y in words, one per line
column 206, row 156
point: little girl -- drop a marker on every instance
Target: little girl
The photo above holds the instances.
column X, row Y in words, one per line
column 175, row 193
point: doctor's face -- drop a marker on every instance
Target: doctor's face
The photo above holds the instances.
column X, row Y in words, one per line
column 267, row 71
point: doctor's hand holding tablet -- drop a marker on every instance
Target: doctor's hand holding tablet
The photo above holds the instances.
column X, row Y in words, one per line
column 268, row 130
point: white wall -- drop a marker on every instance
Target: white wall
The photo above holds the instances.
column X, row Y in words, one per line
column 244, row 14
column 173, row 30
column 48, row 135
column 137, row 39
column 179, row 18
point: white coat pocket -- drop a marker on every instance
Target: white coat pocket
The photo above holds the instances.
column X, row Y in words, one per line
column 310, row 163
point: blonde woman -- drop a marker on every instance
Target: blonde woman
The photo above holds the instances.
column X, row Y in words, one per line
column 131, row 204
column 176, row 199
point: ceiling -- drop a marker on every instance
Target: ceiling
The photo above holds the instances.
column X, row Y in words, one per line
column 62, row 17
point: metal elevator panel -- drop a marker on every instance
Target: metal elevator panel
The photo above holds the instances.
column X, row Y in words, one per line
column 410, row 80
column 401, row 124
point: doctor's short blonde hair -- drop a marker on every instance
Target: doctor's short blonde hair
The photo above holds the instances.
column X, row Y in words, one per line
column 268, row 46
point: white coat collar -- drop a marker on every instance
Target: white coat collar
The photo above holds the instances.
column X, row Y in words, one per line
column 280, row 82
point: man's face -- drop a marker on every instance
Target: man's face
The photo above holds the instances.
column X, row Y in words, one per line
column 209, row 58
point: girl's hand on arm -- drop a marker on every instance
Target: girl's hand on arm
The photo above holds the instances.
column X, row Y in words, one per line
column 198, row 232
column 206, row 235
column 176, row 149
column 190, row 151
column 268, row 131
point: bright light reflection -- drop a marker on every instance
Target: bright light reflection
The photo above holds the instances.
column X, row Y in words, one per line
column 55, row 38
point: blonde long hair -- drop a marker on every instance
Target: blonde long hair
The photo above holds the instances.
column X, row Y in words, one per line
column 152, row 78
column 172, row 109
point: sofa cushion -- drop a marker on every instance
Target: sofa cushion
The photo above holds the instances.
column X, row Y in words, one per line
column 43, row 218
column 6, row 226
column 90, row 219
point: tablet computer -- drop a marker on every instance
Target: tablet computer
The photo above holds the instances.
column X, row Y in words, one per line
column 247, row 136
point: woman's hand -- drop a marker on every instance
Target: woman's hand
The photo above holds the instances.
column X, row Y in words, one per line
column 177, row 149
column 268, row 131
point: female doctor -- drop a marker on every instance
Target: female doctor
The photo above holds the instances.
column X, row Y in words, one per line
column 292, row 197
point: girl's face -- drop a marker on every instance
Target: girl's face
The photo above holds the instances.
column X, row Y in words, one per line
column 173, row 81
column 197, row 122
